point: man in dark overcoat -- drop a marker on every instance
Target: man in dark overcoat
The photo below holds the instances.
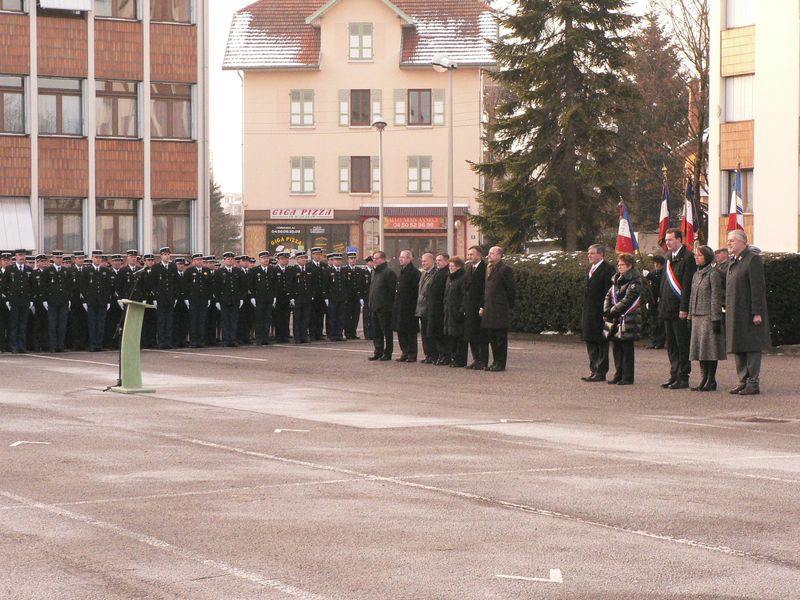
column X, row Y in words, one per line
column 475, row 281
column 746, row 323
column 498, row 302
column 435, row 314
column 381, row 301
column 596, row 286
column 404, row 321
column 673, row 308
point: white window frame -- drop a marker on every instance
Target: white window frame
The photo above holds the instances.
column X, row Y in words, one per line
column 739, row 94
column 417, row 182
column 740, row 13
column 360, row 33
column 298, row 101
column 302, row 175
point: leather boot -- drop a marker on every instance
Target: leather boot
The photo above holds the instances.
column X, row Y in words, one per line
column 704, row 371
column 711, row 382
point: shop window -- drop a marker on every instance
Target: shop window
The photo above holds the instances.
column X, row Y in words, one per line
column 60, row 106
column 302, row 175
column 419, row 107
column 730, row 184
column 62, row 223
column 171, row 11
column 12, row 100
column 360, row 41
column 117, row 109
column 172, row 220
column 171, row 108
column 118, row 9
column 302, row 108
column 419, row 174
column 117, row 223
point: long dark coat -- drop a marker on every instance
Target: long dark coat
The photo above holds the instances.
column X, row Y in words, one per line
column 454, row 304
column 745, row 296
column 594, row 294
column 381, row 289
column 474, row 283
column 683, row 266
column 623, row 303
column 498, row 297
column 436, row 303
column 405, row 300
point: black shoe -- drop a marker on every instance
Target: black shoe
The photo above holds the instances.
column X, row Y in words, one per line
column 625, row 382
column 738, row 388
column 668, row 384
column 495, row 368
column 711, row 386
column 402, row 358
column 751, row 389
column 457, row 365
column 386, row 357
column 596, row 378
column 613, row 381
column 587, row 377
column 680, row 384
column 374, row 357
column 411, row 359
column 442, row 362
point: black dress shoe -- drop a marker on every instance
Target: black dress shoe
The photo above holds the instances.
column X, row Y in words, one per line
column 401, row 358
column 737, row 389
column 587, row 378
column 495, row 368
column 374, row 357
column 625, row 382
column 680, row 384
column 751, row 389
column 411, row 359
column 614, row 381
column 597, row 378
column 385, row 357
column 457, row 365
column 667, row 384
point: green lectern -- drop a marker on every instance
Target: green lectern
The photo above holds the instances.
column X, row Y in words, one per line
column 130, row 365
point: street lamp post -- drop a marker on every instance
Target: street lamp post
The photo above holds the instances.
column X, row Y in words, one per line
column 380, row 125
column 441, row 64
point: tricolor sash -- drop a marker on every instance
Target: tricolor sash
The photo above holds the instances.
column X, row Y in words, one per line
column 673, row 280
column 634, row 306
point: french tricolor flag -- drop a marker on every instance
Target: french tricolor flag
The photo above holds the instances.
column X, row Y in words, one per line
column 664, row 218
column 689, row 226
column 626, row 236
column 736, row 212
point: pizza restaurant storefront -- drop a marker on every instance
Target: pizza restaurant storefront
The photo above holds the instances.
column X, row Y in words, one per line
column 417, row 228
column 300, row 229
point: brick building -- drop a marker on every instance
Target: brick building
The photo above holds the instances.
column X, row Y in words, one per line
column 103, row 124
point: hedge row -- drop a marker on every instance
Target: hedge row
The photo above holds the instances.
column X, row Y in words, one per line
column 550, row 293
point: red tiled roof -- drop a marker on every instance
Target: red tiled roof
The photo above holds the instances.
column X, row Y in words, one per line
column 273, row 34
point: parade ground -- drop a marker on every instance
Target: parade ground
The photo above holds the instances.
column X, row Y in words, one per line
column 309, row 472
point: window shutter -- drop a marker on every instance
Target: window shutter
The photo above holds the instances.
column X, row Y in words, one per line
column 309, row 169
column 308, row 107
column 425, row 183
column 344, row 108
column 366, row 40
column 438, row 107
column 376, row 173
column 375, row 96
column 400, row 107
column 296, row 175
column 295, row 107
column 413, row 174
column 344, row 174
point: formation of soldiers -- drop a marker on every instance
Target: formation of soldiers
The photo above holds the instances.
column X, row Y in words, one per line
column 62, row 302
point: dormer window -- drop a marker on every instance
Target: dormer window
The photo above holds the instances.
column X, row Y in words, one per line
column 360, row 41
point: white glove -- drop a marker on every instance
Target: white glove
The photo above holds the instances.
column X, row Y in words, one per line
column 175, row 303
column 240, row 303
column 274, row 302
column 186, row 302
column 326, row 302
column 361, row 301
column 208, row 303
column 85, row 306
column 253, row 302
column 108, row 306
column 69, row 305
column 121, row 305
column 32, row 308
column 291, row 302
column 155, row 303
column 45, row 305
column 219, row 308
column 8, row 305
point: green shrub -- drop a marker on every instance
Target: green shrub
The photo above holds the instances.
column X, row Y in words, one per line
column 550, row 293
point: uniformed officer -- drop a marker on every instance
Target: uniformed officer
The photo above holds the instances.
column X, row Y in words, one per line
column 5, row 263
column 197, row 293
column 180, row 323
column 229, row 293
column 38, row 341
column 19, row 292
column 319, row 268
column 127, row 288
column 245, row 326
column 111, row 337
column 212, row 316
column 355, row 297
column 96, row 292
column 302, row 290
column 164, row 284
column 260, row 284
column 57, row 294
column 283, row 294
column 77, row 330
column 150, row 324
column 365, row 275
column 336, row 292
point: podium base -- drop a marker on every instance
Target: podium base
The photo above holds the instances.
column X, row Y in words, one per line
column 124, row 390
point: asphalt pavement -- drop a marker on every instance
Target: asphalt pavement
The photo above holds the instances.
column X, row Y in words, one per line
column 308, row 472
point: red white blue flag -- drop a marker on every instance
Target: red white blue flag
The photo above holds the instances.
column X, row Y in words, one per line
column 690, row 225
column 664, row 216
column 736, row 212
column 626, row 236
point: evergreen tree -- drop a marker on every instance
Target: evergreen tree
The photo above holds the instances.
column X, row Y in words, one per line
column 551, row 150
column 225, row 228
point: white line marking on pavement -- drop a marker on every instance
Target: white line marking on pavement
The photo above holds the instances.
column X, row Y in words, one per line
column 712, row 426
column 768, row 457
column 89, row 362
column 510, row 471
column 555, row 577
column 20, row 442
column 153, row 542
column 293, row 430
column 518, row 420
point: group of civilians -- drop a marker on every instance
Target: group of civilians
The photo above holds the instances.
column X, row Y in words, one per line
column 455, row 306
column 709, row 304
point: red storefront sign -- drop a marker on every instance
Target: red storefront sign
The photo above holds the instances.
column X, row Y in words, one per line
column 424, row 223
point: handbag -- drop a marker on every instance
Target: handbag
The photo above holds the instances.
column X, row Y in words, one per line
column 609, row 329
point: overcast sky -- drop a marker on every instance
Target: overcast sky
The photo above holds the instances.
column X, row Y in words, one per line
column 226, row 96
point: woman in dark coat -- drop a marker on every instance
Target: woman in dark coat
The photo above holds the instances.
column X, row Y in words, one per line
column 454, row 313
column 436, row 310
column 705, row 311
column 622, row 311
column 404, row 320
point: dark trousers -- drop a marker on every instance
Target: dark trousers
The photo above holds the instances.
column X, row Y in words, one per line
column 748, row 367
column 280, row 317
column 677, row 339
column 658, row 334
column 317, row 318
column 149, row 328
column 77, row 327
column 18, row 326
column 428, row 343
column 598, row 358
column 57, row 326
column 337, row 309
column 212, row 325
column 498, row 341
column 479, row 345
column 301, row 320
column 165, row 313
column 382, row 339
column 367, row 321
column 442, row 344
column 623, row 359
column 262, row 316
column 197, row 323
column 245, row 322
column 5, row 346
column 407, row 340
column 40, row 327
column 353, row 314
column 180, row 325
column 229, row 315
column 457, row 348
column 96, row 322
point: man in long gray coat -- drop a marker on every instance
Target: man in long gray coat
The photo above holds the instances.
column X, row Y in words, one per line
column 498, row 302
column 746, row 322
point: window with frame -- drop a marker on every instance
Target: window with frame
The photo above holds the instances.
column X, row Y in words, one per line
column 117, row 223
column 12, row 5
column 360, row 41
column 172, row 221
column 747, row 191
column 740, row 13
column 62, row 223
column 360, row 175
column 117, row 109
column 739, row 98
column 60, row 106
column 419, row 107
column 360, row 108
column 117, row 9
column 12, row 101
column 171, row 110
column 302, row 108
column 171, row 11
column 419, row 174
column 302, row 175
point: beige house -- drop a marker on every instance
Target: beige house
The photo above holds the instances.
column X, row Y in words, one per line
column 755, row 119
column 316, row 76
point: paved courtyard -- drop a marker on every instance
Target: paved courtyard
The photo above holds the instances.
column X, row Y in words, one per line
column 309, row 472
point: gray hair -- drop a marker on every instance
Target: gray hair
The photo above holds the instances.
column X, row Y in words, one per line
column 428, row 256
column 599, row 248
column 738, row 234
column 407, row 253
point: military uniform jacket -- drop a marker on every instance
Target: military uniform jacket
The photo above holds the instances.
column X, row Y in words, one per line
column 39, row 285
column 126, row 279
column 96, row 286
column 352, row 283
column 679, row 269
column 197, row 286
column 362, row 278
column 337, row 285
column 320, row 272
column 282, row 284
column 58, row 286
column 164, row 283
column 114, row 278
column 229, row 286
column 303, row 284
column 18, row 285
column 143, row 289
column 76, row 285
column 260, row 283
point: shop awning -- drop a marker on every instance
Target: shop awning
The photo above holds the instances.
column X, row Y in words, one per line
column 16, row 224
column 428, row 210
